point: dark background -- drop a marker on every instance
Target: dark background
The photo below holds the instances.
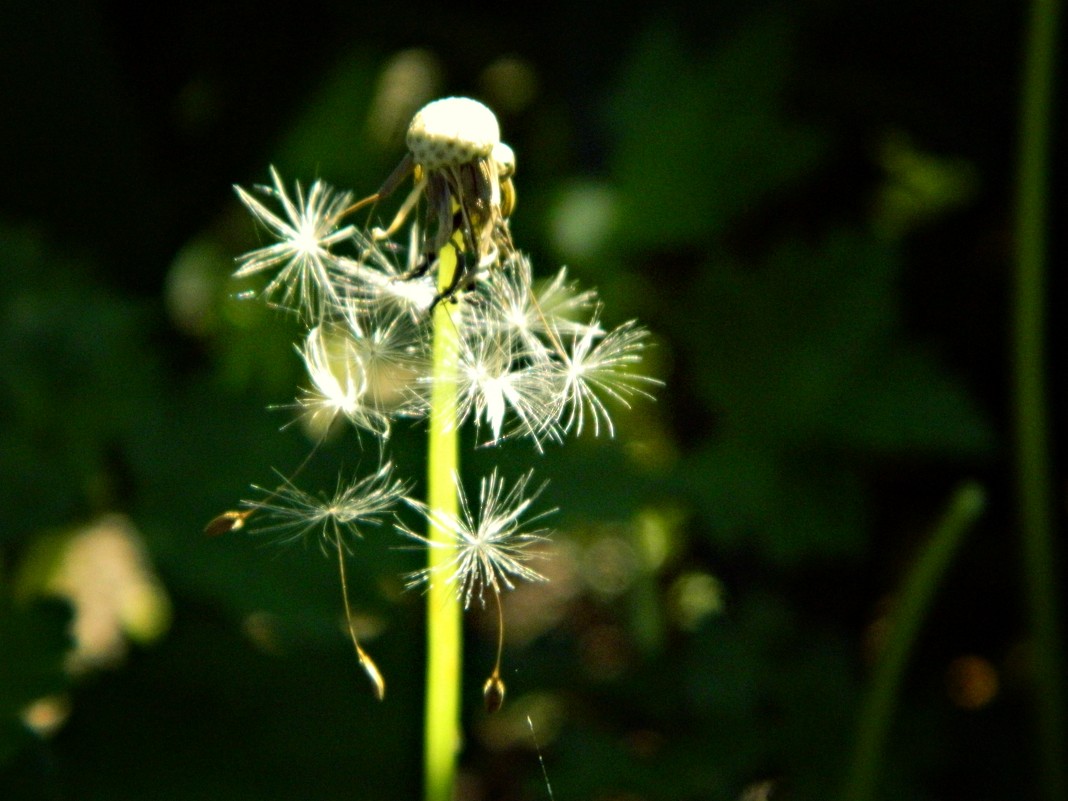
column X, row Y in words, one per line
column 808, row 203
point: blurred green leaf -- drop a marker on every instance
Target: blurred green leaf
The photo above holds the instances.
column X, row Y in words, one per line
column 804, row 363
column 906, row 404
column 807, row 348
column 33, row 642
column 702, row 140
column 78, row 380
column 788, row 506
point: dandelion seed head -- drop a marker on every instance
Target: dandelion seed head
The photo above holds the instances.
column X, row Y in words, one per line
column 460, row 167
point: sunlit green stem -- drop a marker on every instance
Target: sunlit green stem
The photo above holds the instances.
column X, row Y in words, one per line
column 912, row 604
column 444, row 613
column 1032, row 423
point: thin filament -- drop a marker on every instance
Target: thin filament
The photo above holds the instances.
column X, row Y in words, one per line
column 493, row 690
column 359, row 204
column 500, row 635
column 541, row 760
column 370, row 668
column 234, row 519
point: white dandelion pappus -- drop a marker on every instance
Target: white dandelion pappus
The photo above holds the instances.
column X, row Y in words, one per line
column 561, row 301
column 293, row 514
column 381, row 280
column 496, row 376
column 534, row 312
column 339, row 382
column 307, row 275
column 392, row 349
column 592, row 370
column 490, row 546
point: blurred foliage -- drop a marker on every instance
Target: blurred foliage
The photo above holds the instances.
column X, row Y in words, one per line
column 699, row 140
column 801, row 204
column 37, row 634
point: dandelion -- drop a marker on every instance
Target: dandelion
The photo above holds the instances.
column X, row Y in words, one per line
column 307, row 270
column 296, row 514
column 463, row 171
column 449, row 326
column 489, row 544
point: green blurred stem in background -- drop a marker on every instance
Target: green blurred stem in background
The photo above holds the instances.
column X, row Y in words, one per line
column 444, row 613
column 1032, row 424
column 912, row 603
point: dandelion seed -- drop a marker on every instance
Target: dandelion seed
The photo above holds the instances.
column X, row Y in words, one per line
column 293, row 514
column 392, row 350
column 383, row 282
column 561, row 301
column 594, row 370
column 366, row 662
column 489, row 543
column 494, row 688
column 306, row 280
column 548, row 311
column 227, row 522
column 494, row 378
column 493, row 692
column 339, row 383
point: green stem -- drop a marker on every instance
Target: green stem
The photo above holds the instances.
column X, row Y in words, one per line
column 444, row 613
column 1032, row 424
column 912, row 603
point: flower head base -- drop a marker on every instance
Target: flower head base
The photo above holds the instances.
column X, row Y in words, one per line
column 452, row 131
column 462, row 172
column 491, row 546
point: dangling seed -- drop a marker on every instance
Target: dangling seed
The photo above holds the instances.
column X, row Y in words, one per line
column 371, row 669
column 493, row 693
column 227, row 522
column 368, row 664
